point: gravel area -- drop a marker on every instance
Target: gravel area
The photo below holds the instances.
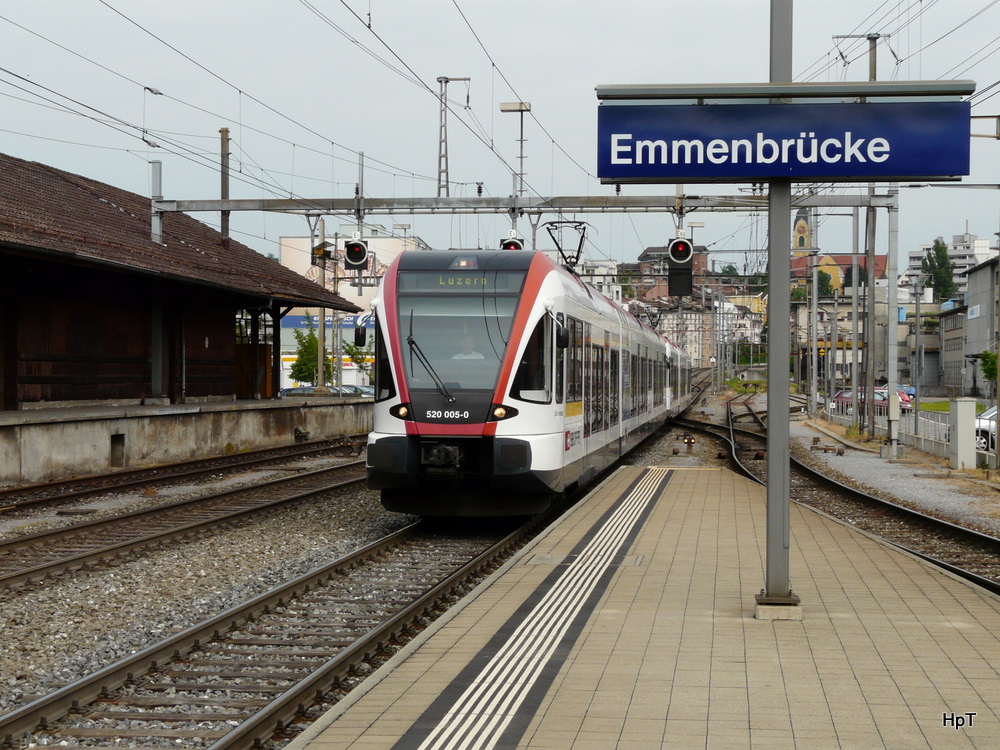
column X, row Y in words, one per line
column 918, row 480
column 906, row 481
column 32, row 519
column 64, row 629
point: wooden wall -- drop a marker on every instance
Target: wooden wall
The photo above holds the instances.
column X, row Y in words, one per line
column 79, row 334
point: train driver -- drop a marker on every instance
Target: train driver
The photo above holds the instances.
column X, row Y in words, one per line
column 468, row 349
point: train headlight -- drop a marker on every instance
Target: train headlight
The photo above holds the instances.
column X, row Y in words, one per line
column 499, row 412
column 401, row 411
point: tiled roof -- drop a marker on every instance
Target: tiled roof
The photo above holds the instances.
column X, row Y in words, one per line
column 43, row 209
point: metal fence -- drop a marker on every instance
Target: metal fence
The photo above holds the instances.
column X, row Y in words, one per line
column 928, row 431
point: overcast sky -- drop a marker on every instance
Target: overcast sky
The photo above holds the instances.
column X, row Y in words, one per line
column 304, row 85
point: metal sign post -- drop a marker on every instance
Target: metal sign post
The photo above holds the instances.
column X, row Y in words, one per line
column 778, row 133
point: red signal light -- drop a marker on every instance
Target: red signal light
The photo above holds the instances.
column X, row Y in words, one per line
column 680, row 251
column 356, row 255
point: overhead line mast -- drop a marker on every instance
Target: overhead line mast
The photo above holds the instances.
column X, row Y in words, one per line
column 443, row 181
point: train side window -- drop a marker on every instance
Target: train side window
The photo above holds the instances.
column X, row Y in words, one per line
column 384, row 385
column 587, row 359
column 634, row 385
column 533, row 379
column 574, row 376
column 613, row 377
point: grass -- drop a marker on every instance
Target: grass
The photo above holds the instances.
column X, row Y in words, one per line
column 943, row 406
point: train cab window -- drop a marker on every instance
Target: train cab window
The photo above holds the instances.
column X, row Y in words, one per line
column 384, row 385
column 533, row 379
column 455, row 342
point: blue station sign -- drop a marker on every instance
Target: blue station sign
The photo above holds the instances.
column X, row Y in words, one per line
column 838, row 142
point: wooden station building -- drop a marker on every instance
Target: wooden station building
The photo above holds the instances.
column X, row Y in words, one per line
column 93, row 311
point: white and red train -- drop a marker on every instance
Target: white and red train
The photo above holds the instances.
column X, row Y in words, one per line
column 502, row 381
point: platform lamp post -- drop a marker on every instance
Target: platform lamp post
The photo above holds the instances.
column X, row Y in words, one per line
column 405, row 228
column 520, row 108
column 918, row 368
column 321, row 384
column 814, row 334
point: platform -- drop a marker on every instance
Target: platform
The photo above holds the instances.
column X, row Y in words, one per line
column 45, row 444
column 630, row 624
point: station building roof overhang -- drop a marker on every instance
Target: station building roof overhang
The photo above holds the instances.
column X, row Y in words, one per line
column 58, row 216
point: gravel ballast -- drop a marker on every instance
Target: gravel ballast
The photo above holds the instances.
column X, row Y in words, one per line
column 61, row 630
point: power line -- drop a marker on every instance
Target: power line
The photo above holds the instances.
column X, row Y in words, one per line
column 415, row 78
column 513, row 91
column 391, row 170
column 236, row 88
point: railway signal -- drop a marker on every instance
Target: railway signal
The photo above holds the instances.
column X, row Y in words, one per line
column 680, row 256
column 356, row 255
column 321, row 252
column 512, row 243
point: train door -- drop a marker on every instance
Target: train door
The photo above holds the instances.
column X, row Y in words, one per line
column 588, row 382
column 626, row 397
column 560, row 364
column 573, row 358
column 670, row 375
column 614, row 375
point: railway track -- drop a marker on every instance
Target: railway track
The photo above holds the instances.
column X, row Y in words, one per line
column 63, row 491
column 965, row 552
column 274, row 663
column 36, row 556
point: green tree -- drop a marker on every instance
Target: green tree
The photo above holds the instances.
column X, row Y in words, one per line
column 798, row 293
column 628, row 289
column 730, row 270
column 823, row 280
column 940, row 271
column 305, row 367
column 849, row 276
column 988, row 364
column 361, row 356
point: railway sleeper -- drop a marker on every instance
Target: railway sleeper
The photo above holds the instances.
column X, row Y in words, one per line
column 170, row 734
column 195, row 687
column 163, row 716
column 173, row 702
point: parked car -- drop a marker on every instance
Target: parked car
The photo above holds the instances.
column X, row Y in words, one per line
column 302, row 390
column 347, row 390
column 368, row 391
column 843, row 400
column 905, row 399
column 986, row 430
column 355, row 391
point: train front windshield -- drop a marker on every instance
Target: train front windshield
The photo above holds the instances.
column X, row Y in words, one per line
column 455, row 327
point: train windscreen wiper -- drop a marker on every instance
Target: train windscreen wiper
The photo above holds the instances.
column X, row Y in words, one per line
column 415, row 348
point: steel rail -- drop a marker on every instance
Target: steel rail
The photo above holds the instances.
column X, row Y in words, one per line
column 84, row 558
column 285, row 708
column 964, row 533
column 164, row 473
column 48, row 708
column 41, row 713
